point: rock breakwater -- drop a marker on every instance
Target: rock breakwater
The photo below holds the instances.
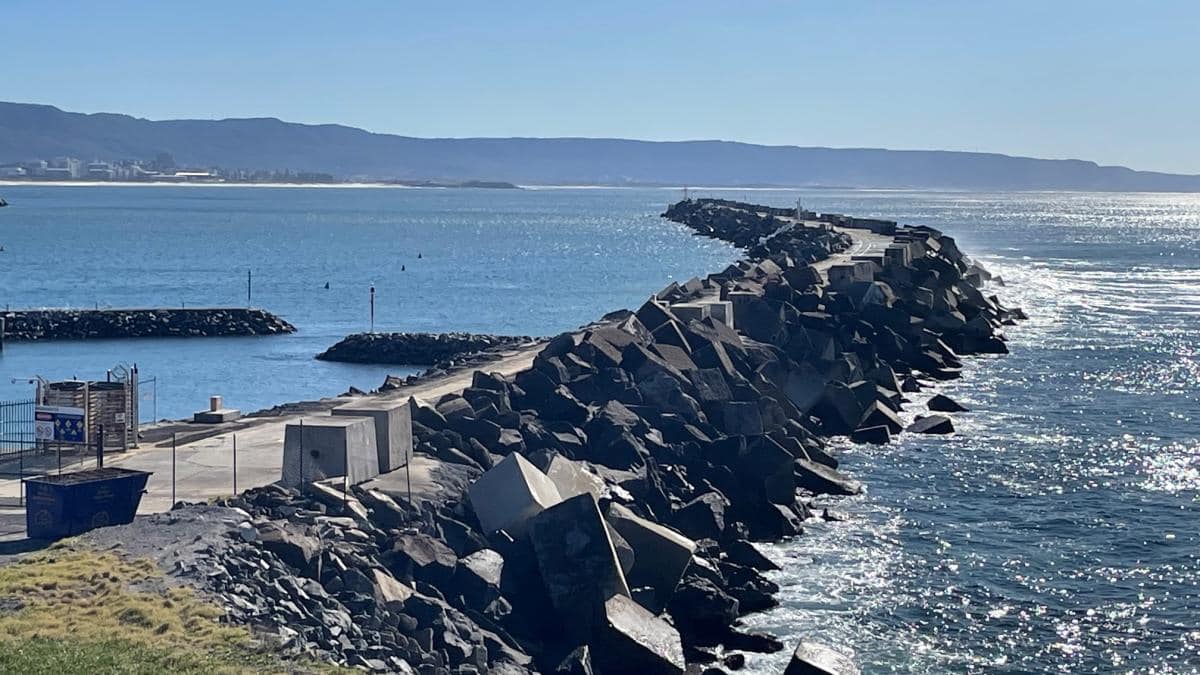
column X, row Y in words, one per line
column 595, row 513
column 86, row 324
column 417, row 349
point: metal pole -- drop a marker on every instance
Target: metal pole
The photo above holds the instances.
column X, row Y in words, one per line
column 235, row 465
column 372, row 308
column 100, row 447
column 249, row 279
column 408, row 477
column 345, row 474
column 1, row 333
column 300, row 482
column 172, row 469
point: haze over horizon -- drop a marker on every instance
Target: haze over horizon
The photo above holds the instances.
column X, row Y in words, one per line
column 1020, row 79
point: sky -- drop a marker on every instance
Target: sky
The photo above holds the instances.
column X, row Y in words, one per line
column 1112, row 82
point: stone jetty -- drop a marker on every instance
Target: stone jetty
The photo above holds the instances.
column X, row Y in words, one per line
column 87, row 324
column 417, row 349
column 596, row 512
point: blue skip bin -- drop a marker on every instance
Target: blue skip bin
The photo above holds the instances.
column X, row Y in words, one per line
column 73, row 503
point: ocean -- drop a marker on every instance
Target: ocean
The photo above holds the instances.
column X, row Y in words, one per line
column 1057, row 531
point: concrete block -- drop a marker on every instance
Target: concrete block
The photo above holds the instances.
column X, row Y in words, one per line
column 393, row 428
column 578, row 562
column 687, row 311
column 634, row 640
column 316, row 448
column 660, row 554
column 217, row 416
column 511, row 493
column 721, row 310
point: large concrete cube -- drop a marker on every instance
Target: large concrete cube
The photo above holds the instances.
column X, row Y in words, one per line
column 393, row 428
column 661, row 555
column 511, row 493
column 316, row 448
column 634, row 640
column 578, row 562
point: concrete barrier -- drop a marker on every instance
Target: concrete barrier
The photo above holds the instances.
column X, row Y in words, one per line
column 315, row 448
column 393, row 428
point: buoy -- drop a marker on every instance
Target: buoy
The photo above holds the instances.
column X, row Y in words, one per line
column 418, row 256
column 326, row 285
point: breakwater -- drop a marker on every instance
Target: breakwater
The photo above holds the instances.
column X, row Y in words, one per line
column 416, row 349
column 622, row 478
column 84, row 324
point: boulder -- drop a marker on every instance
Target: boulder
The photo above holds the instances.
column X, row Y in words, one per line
column 820, row 479
column 477, row 577
column 577, row 560
column 661, row 555
column 578, row 662
column 931, row 424
column 510, row 493
column 421, row 557
column 703, row 517
column 633, row 640
column 878, row 414
column 813, row 658
column 876, row 435
column 294, row 548
column 389, row 592
column 942, row 403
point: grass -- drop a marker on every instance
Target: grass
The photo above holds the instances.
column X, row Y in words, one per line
column 84, row 611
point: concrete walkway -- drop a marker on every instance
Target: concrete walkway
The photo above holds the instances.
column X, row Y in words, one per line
column 203, row 461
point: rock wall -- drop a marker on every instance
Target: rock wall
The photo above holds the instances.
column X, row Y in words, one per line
column 416, row 349
column 596, row 512
column 85, row 324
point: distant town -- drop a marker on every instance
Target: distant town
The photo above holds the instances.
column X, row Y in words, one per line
column 161, row 169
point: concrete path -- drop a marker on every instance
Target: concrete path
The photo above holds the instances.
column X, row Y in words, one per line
column 203, row 461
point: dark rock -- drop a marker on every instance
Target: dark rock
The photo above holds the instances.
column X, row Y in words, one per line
column 942, row 403
column 877, row 435
column 420, row 556
column 820, row 479
column 812, row 658
column 633, row 640
column 931, row 424
column 703, row 517
column 578, row 662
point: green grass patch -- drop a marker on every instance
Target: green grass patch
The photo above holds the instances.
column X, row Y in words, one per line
column 77, row 611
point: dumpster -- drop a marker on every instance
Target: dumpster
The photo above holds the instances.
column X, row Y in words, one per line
column 73, row 503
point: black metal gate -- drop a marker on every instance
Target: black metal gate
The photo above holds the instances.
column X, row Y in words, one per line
column 18, row 429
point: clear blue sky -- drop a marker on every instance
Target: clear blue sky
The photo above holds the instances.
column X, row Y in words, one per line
column 1114, row 82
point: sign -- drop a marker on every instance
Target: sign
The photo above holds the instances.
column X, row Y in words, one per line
column 59, row 424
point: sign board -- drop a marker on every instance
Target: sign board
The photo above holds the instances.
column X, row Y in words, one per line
column 59, row 424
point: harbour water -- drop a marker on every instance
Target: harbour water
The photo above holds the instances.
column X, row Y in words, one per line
column 1057, row 531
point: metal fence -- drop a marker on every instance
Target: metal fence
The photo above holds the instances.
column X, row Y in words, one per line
column 18, row 429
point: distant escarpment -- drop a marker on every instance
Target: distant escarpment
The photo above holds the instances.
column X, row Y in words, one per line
column 89, row 324
column 415, row 349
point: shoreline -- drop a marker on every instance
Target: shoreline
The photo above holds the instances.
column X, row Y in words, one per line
column 541, row 187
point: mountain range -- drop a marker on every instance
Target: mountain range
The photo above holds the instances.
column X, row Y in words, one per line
column 30, row 131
